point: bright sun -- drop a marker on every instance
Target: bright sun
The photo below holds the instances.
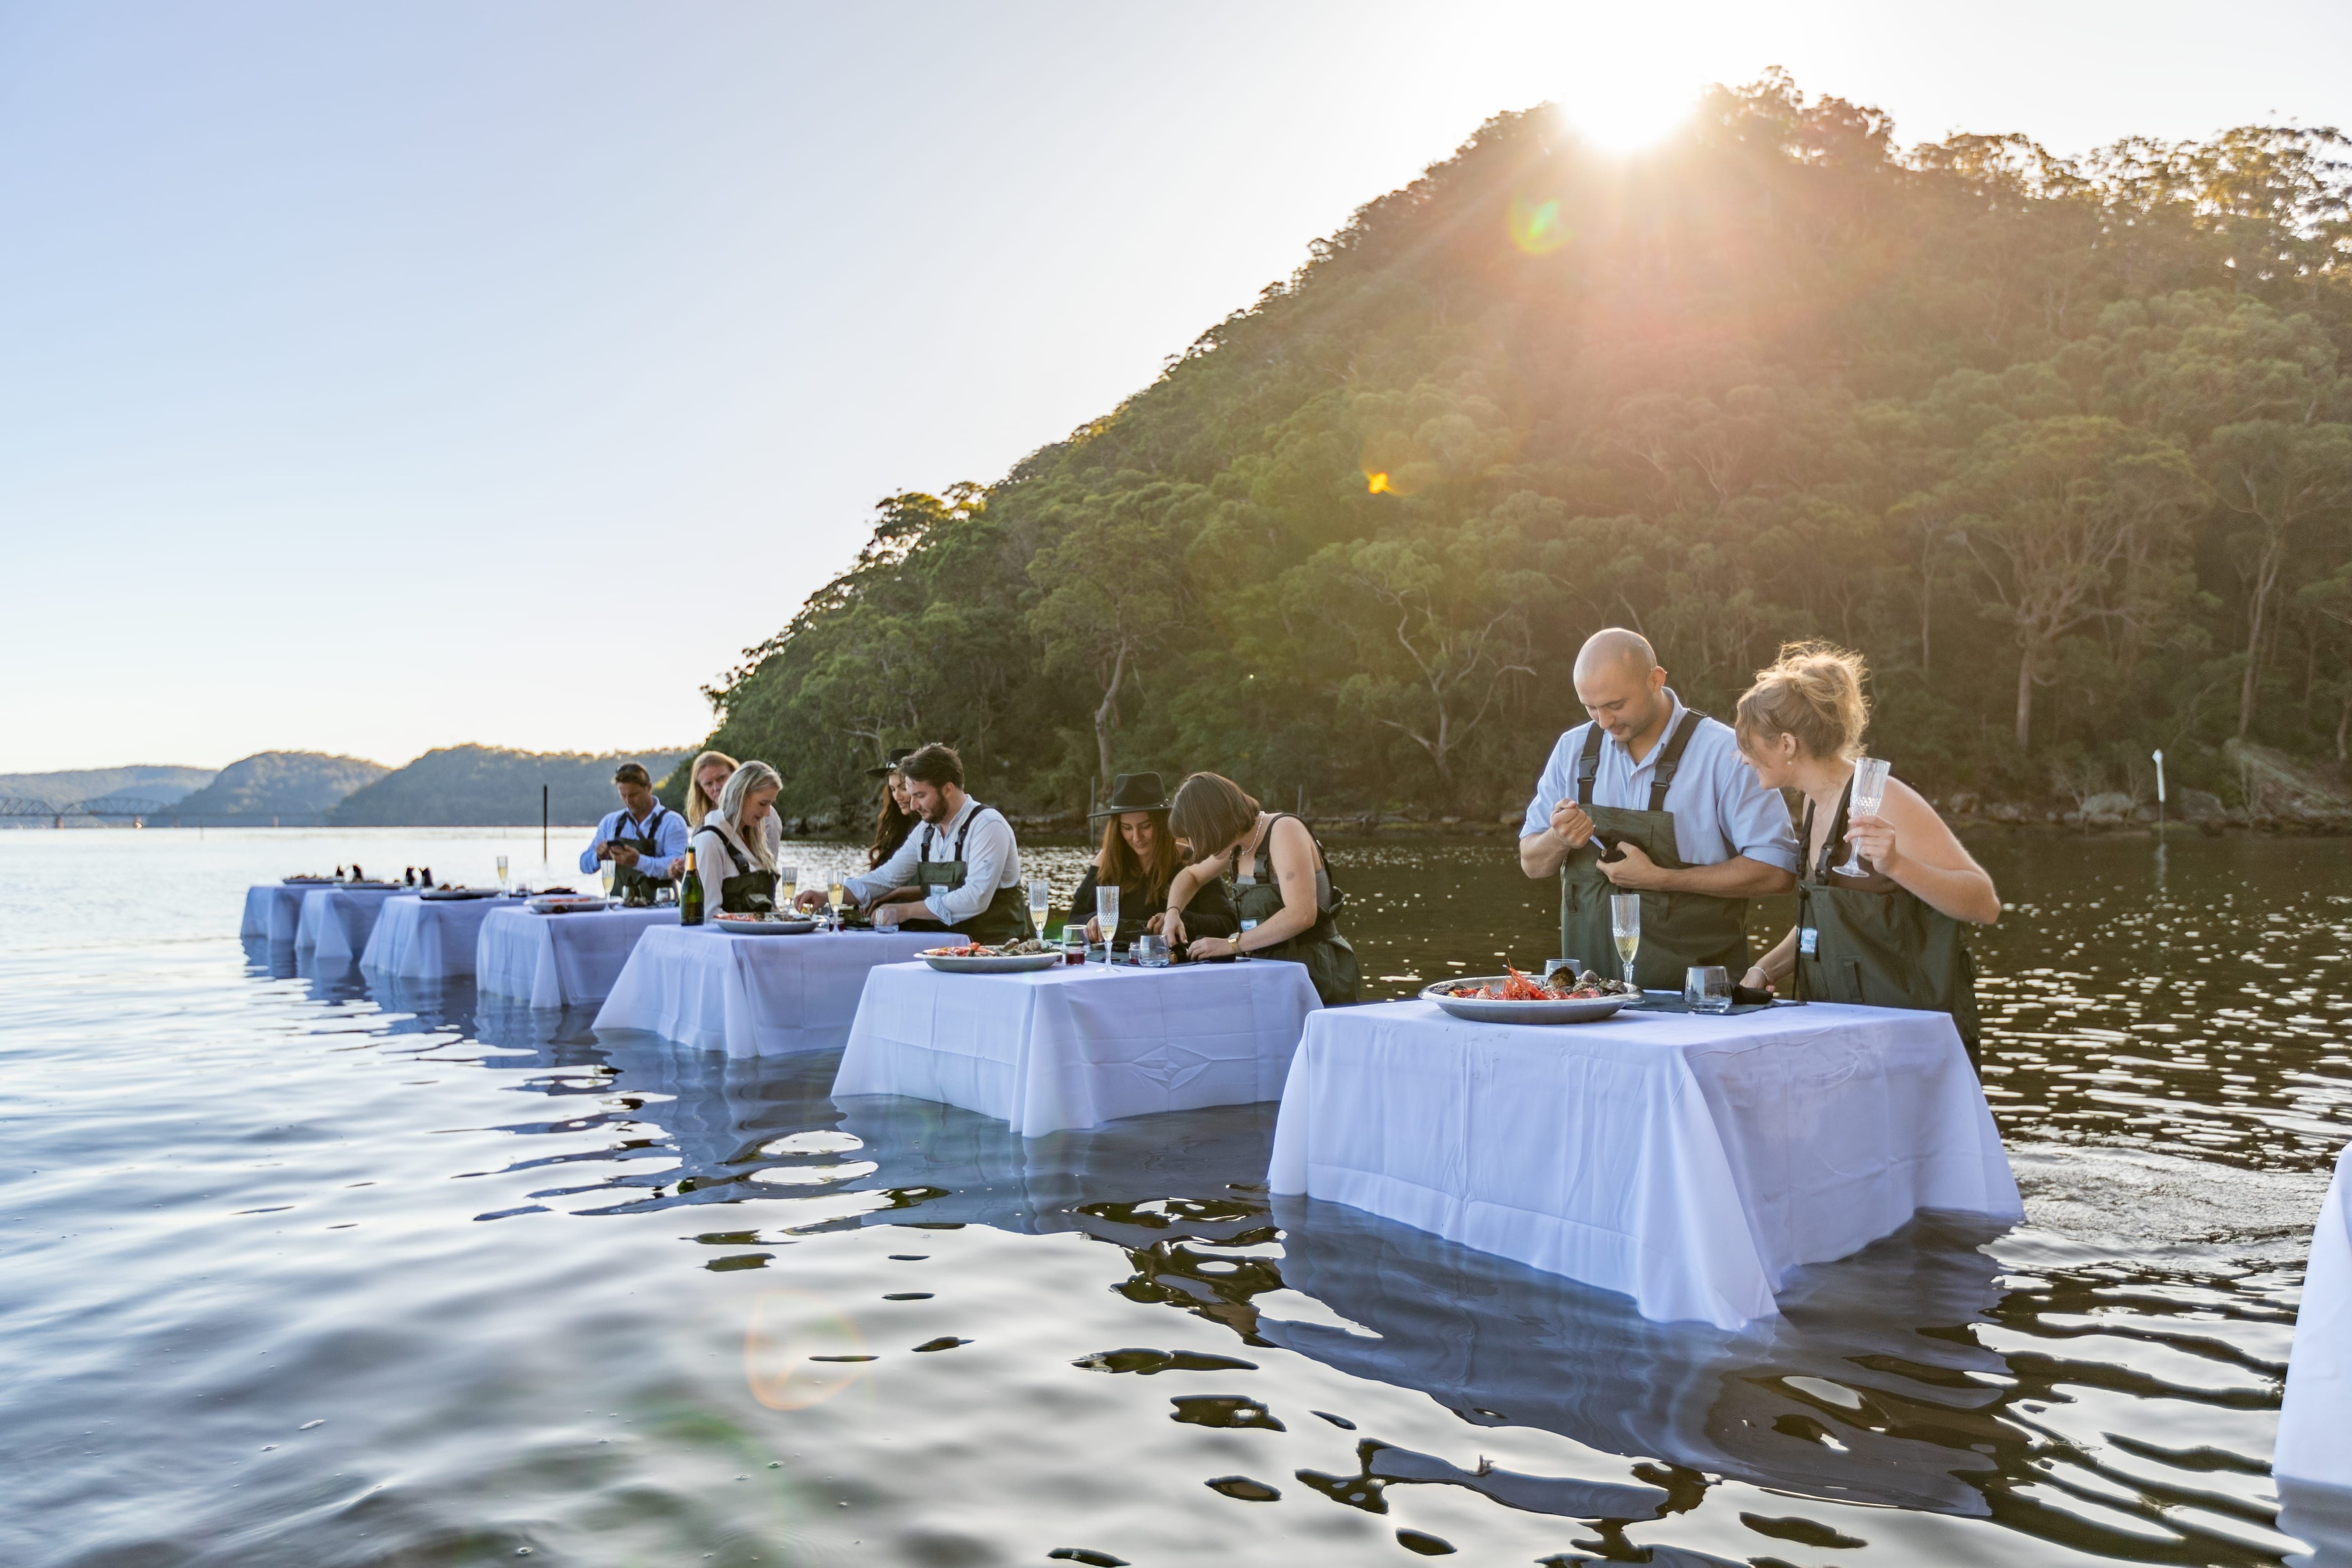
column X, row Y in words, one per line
column 1628, row 110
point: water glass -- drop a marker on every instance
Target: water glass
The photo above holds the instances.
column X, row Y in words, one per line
column 1707, row 988
column 1625, row 925
column 1555, row 965
column 1869, row 794
column 1151, row 952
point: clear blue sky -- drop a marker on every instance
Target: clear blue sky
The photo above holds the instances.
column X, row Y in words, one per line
column 375, row 377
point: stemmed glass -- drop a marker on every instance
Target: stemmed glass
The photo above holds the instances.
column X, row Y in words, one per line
column 788, row 887
column 1869, row 794
column 1625, row 925
column 1107, row 912
column 837, row 895
column 1041, row 902
column 502, row 873
column 610, row 871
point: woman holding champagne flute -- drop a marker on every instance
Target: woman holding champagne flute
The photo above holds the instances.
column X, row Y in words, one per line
column 1886, row 927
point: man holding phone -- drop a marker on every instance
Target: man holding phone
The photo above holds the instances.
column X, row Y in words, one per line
column 643, row 839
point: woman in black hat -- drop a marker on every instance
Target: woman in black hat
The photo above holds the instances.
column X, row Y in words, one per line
column 897, row 818
column 1139, row 857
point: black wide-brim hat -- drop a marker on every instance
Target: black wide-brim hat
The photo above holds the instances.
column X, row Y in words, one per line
column 1132, row 792
column 898, row 754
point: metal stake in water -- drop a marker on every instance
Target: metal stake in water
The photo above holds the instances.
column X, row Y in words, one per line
column 2159, row 755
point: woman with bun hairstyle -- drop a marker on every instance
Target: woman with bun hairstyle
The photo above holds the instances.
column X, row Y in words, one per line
column 1896, row 935
column 1279, row 877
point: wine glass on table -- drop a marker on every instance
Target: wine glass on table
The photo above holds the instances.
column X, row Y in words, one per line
column 502, row 874
column 788, row 887
column 1625, row 925
column 1869, row 794
column 837, row 896
column 1041, row 902
column 1106, row 915
column 611, row 872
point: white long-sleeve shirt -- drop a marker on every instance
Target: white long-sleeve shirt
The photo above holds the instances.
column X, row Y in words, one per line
column 991, row 860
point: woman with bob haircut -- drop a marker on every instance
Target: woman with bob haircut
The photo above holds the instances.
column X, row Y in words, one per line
column 1893, row 936
column 731, row 850
column 1138, row 858
column 1280, row 883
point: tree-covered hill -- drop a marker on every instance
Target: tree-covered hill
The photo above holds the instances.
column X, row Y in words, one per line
column 291, row 788
column 488, row 786
column 2062, row 445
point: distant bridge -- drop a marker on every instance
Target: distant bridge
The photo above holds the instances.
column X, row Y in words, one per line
column 112, row 805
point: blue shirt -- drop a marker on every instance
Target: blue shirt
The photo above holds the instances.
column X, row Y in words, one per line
column 669, row 836
column 1719, row 809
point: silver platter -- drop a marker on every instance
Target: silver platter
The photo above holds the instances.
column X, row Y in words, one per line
column 1004, row 964
column 1478, row 1010
column 765, row 927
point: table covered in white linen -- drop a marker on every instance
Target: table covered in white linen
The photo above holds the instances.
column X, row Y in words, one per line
column 337, row 921
column 559, row 961
column 417, row 937
column 1077, row 1045
column 1689, row 1161
column 752, row 995
column 273, row 911
column 2314, row 1431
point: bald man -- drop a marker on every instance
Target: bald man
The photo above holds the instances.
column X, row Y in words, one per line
column 1652, row 798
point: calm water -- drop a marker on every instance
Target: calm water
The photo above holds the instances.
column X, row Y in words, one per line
column 296, row 1271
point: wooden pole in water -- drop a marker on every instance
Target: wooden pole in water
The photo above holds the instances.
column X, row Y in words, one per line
column 542, row 824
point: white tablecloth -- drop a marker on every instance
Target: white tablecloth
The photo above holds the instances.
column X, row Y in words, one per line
column 1078, row 1045
column 2315, row 1432
column 337, row 921
column 421, row 939
column 1688, row 1162
column 559, row 961
column 751, row 995
column 273, row 911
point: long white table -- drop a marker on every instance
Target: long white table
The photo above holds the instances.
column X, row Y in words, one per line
column 1688, row 1162
column 559, row 961
column 273, row 911
column 2314, row 1431
column 337, row 921
column 751, row 995
column 1077, row 1045
column 417, row 937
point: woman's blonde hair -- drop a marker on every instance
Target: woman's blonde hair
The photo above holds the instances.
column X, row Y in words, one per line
column 739, row 784
column 699, row 805
column 1813, row 692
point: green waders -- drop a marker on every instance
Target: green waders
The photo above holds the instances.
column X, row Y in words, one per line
column 1678, row 930
column 750, row 891
column 1331, row 961
column 1869, row 940
column 634, row 887
column 1006, row 918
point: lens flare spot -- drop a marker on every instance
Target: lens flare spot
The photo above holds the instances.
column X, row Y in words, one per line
column 798, row 1352
column 1378, row 484
column 1538, row 229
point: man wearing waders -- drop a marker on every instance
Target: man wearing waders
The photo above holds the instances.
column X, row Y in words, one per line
column 1651, row 798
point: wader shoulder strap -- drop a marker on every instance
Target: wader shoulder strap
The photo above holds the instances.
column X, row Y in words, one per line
column 1588, row 767
column 965, row 831
column 712, row 825
column 1670, row 761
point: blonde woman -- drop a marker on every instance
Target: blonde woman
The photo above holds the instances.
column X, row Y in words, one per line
column 732, row 852
column 1893, row 936
column 709, row 775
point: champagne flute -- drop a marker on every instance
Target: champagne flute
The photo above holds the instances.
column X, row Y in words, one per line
column 1107, row 912
column 838, row 896
column 610, row 872
column 502, row 873
column 1040, row 901
column 788, row 888
column 1869, row 794
column 1625, row 925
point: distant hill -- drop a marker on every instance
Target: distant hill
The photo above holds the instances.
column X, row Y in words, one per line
column 289, row 785
column 139, row 782
column 488, row 786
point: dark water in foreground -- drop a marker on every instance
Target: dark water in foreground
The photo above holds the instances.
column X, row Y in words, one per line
column 296, row 1272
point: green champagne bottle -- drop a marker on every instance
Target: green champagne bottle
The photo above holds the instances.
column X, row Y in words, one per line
column 690, row 895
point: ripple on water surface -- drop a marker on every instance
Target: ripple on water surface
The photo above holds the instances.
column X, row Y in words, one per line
column 296, row 1271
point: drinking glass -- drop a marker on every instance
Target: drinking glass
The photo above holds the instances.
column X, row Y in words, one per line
column 1106, row 911
column 1041, row 900
column 788, row 887
column 1869, row 794
column 1625, row 925
column 1151, row 952
column 837, row 896
column 1554, row 965
column 611, row 872
column 502, row 873
column 1707, row 988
